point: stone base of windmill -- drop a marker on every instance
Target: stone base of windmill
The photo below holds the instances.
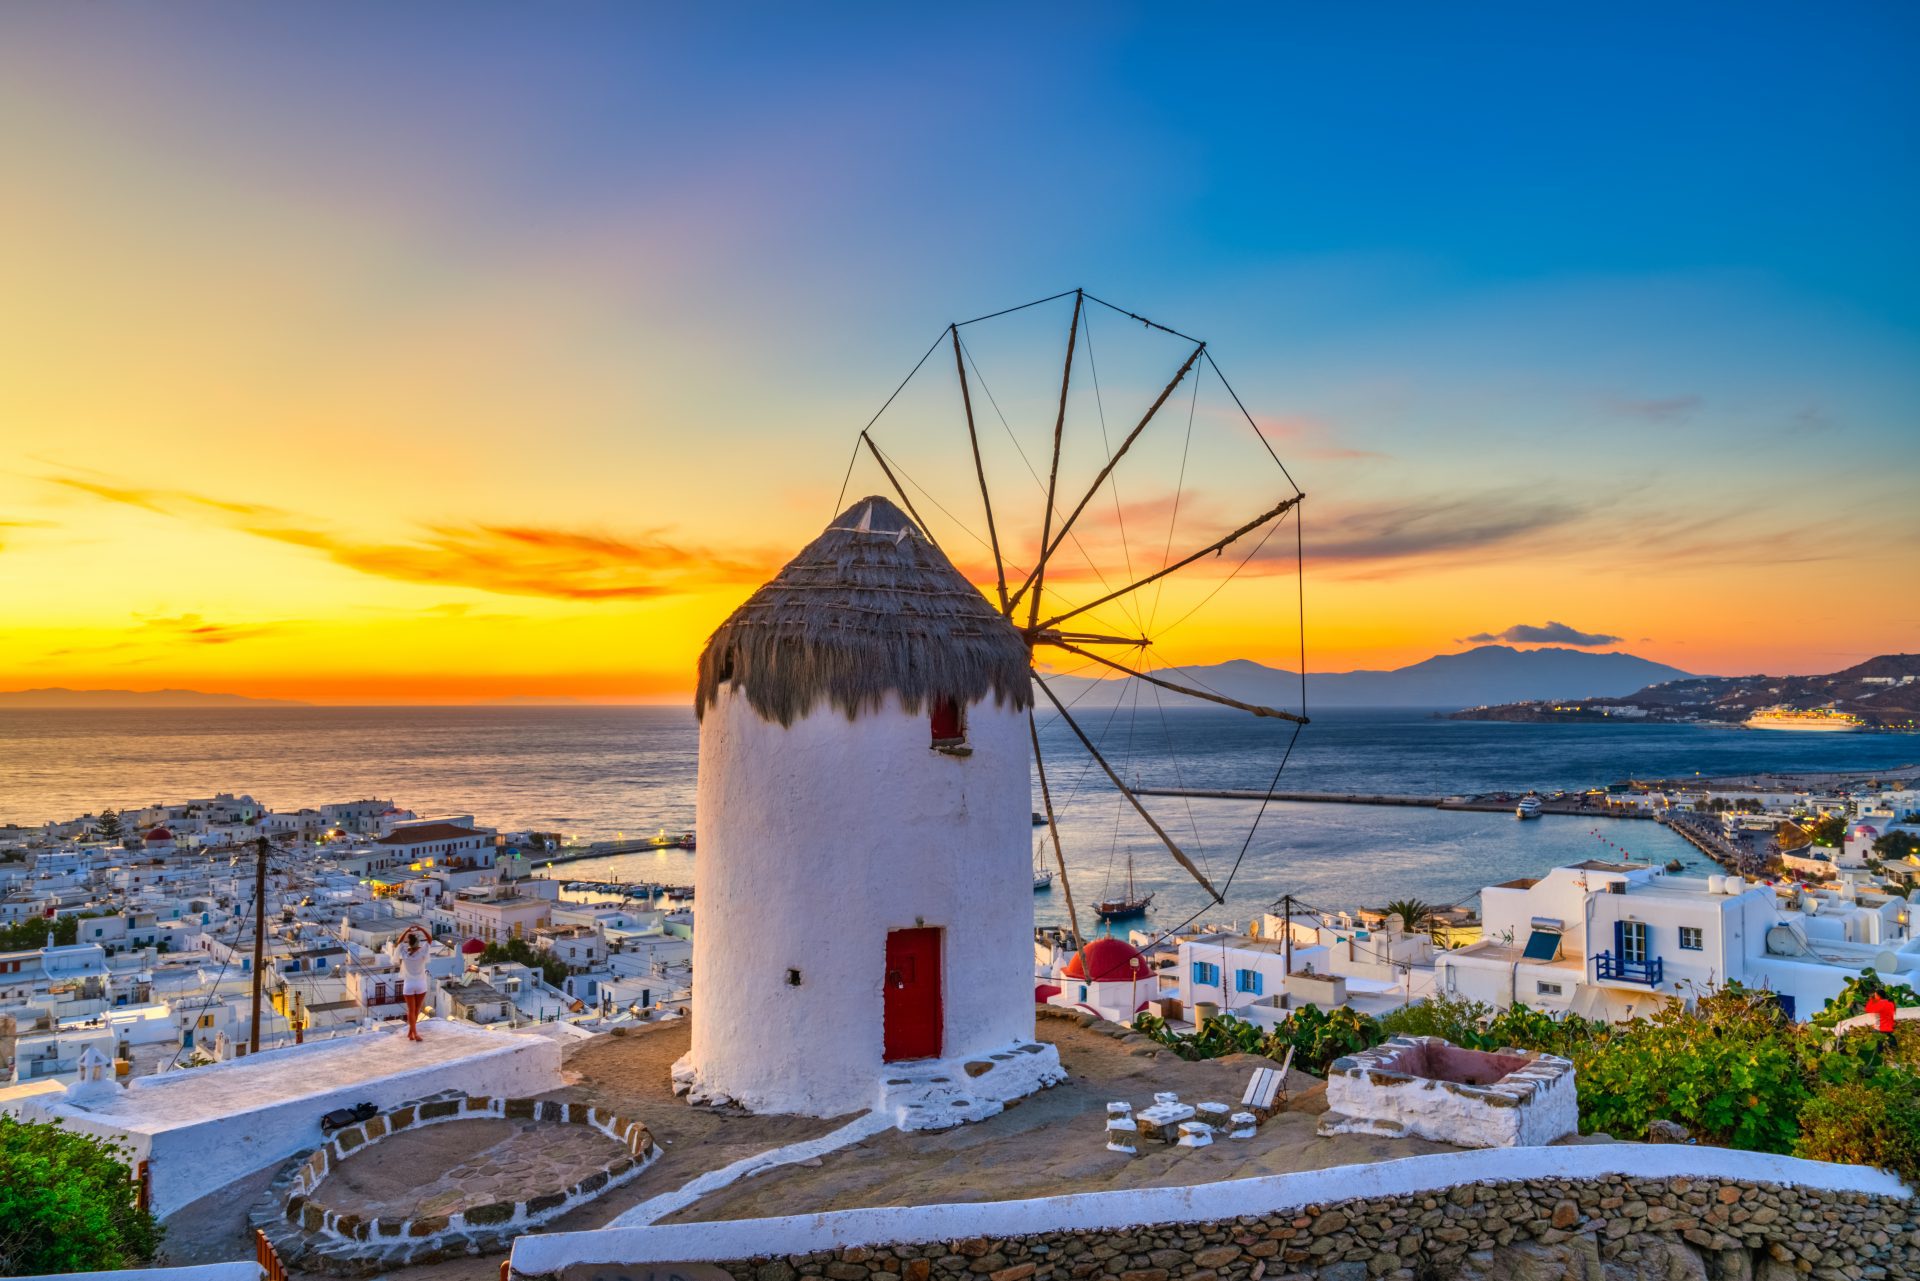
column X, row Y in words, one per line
column 927, row 1094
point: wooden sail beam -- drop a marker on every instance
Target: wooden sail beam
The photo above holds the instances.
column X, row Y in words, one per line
column 1053, row 830
column 1053, row 468
column 1048, row 548
column 880, row 458
column 1043, row 637
column 979, row 470
column 1267, row 517
column 1173, row 847
column 1221, row 699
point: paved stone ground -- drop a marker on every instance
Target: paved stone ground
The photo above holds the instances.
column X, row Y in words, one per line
column 1054, row 1142
column 441, row 1169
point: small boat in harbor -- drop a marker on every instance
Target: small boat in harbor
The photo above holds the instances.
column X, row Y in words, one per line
column 1529, row 807
column 1042, row 879
column 662, row 841
column 1039, row 819
column 1131, row 905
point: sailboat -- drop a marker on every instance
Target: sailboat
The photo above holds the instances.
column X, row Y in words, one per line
column 1133, row 904
column 1042, row 874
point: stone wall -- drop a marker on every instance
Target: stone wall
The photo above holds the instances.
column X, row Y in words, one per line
column 1617, row 1226
column 308, row 1233
column 1496, row 1232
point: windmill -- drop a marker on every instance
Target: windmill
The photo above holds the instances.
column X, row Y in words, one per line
column 1029, row 565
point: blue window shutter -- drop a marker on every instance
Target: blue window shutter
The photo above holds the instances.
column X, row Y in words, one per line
column 1259, row 981
column 1199, row 972
column 1619, row 938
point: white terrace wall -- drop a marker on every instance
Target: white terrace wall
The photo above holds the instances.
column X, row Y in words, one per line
column 1471, row 1215
column 203, row 1128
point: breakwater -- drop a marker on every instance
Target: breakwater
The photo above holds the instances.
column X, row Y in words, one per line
column 1477, row 804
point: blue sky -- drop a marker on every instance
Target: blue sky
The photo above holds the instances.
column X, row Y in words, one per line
column 1600, row 296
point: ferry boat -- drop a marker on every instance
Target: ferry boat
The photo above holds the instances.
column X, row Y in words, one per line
column 1817, row 719
column 1529, row 807
column 1131, row 905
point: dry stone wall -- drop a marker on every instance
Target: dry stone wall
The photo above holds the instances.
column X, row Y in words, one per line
column 1651, row 1229
column 1605, row 1229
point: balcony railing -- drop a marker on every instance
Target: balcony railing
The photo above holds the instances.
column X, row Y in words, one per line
column 1650, row 971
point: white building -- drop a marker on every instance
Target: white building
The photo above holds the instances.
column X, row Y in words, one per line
column 864, row 882
column 1615, row 940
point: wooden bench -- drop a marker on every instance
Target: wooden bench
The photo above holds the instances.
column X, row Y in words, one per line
column 1267, row 1091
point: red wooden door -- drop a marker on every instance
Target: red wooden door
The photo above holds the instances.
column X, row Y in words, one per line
column 912, row 1010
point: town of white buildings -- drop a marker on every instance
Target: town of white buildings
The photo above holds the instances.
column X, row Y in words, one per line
column 159, row 974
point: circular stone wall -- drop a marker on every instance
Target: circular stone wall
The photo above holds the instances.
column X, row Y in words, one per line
column 485, row 1171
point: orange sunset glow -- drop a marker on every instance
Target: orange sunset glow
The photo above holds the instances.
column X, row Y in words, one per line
column 330, row 377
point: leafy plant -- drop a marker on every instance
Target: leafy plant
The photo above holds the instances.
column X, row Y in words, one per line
column 67, row 1203
column 1731, row 1070
column 1875, row 1122
column 1897, row 845
column 1828, row 830
column 1415, row 915
column 38, row 931
column 519, row 950
column 1319, row 1037
column 1457, row 1019
column 1852, row 999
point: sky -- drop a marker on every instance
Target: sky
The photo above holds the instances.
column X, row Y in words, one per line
column 374, row 353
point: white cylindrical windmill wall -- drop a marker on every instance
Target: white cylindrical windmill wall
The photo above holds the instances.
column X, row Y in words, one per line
column 822, row 832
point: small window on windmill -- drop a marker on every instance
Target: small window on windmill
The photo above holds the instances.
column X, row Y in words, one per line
column 949, row 726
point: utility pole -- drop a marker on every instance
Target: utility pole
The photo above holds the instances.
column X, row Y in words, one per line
column 259, row 935
column 1286, row 937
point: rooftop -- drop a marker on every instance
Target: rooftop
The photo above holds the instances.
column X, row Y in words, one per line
column 426, row 832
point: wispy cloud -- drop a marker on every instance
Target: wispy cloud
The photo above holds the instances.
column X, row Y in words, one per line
column 187, row 629
column 1300, row 436
column 1378, row 539
column 512, row 559
column 1549, row 633
column 1663, row 409
column 1810, row 420
column 22, row 524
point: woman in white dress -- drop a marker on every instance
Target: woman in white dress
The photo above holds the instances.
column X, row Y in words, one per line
column 410, row 952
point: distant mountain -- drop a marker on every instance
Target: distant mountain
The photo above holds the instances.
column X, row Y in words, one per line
column 1488, row 674
column 56, row 697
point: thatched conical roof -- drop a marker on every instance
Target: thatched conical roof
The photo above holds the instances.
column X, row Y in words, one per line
column 869, row 608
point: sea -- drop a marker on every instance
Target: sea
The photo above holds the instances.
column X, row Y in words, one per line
column 601, row 773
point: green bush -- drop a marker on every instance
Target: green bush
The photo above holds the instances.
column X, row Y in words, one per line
column 1319, row 1037
column 1457, row 1019
column 521, row 952
column 1732, row 1070
column 1316, row 1037
column 1874, row 1122
column 67, row 1203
